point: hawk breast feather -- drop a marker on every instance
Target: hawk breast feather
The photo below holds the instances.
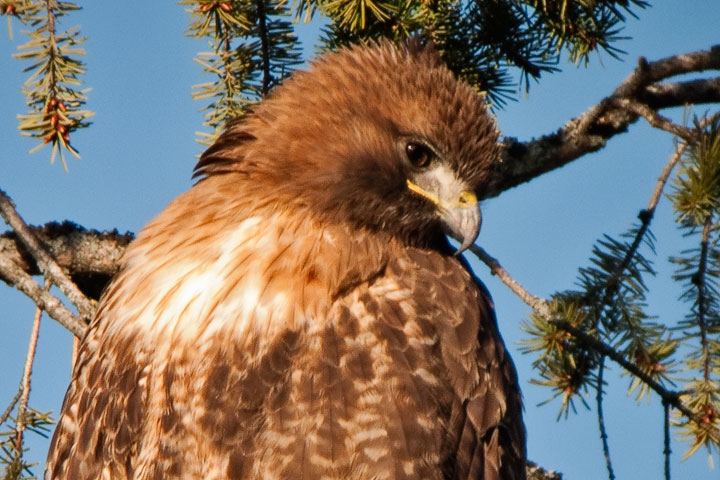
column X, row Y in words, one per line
column 246, row 339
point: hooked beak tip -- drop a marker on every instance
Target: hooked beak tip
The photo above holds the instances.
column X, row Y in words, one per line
column 463, row 224
column 465, row 245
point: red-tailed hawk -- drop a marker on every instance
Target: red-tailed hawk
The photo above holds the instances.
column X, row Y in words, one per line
column 299, row 313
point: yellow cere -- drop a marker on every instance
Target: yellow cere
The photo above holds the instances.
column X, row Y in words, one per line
column 466, row 199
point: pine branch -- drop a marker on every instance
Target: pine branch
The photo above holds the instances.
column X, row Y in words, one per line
column 696, row 201
column 669, row 396
column 584, row 27
column 252, row 51
column 542, row 308
column 612, row 296
column 220, row 23
column 613, row 280
column 699, row 280
column 52, row 92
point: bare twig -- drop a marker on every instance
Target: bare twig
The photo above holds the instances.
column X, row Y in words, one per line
column 27, row 374
column 664, row 175
column 601, row 419
column 12, row 274
column 10, row 407
column 655, row 119
column 536, row 303
column 47, row 264
column 264, row 45
column 666, row 431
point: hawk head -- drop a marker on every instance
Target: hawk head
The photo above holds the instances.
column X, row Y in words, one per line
column 376, row 137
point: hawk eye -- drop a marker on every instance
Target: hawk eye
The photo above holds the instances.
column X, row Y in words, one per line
column 418, row 154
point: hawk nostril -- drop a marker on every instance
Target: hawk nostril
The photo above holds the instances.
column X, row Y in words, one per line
column 467, row 198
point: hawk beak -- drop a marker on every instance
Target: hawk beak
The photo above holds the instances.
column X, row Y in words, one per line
column 458, row 209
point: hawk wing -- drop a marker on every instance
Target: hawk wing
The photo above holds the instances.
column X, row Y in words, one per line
column 404, row 376
column 488, row 424
column 102, row 416
column 486, row 433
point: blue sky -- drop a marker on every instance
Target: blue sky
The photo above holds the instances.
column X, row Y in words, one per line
column 140, row 151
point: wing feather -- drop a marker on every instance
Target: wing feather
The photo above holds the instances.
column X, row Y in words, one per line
column 493, row 440
column 102, row 418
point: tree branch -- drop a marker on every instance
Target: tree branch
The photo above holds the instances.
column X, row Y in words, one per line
column 601, row 419
column 27, row 376
column 655, row 119
column 541, row 307
column 12, row 274
column 11, row 405
column 665, row 95
column 45, row 262
column 264, row 45
column 523, row 161
column 90, row 257
column 536, row 303
column 668, row 396
column 666, row 439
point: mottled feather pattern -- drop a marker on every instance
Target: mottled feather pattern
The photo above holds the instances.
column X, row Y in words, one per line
column 297, row 314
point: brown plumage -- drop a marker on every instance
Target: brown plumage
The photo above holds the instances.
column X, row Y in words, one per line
column 298, row 313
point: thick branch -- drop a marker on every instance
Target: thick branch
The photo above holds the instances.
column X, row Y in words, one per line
column 666, row 95
column 90, row 257
column 523, row 161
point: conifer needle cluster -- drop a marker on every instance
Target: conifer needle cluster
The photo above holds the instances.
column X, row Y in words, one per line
column 53, row 91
